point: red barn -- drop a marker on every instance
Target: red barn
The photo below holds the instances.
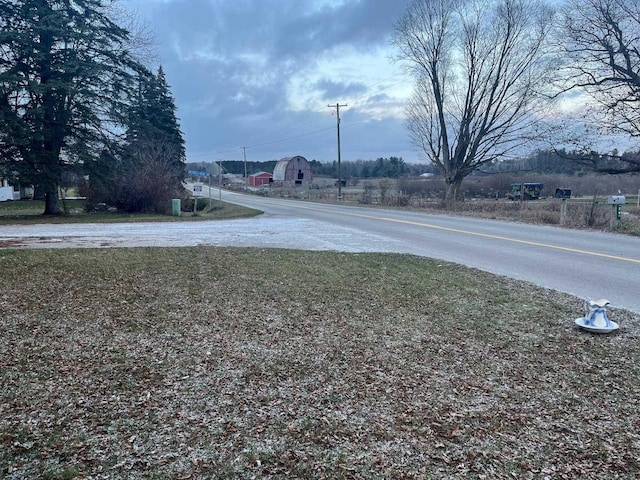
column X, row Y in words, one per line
column 260, row 178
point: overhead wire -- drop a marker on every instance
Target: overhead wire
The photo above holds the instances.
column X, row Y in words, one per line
column 258, row 142
column 291, row 138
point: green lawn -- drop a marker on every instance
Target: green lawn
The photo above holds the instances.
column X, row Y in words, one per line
column 30, row 212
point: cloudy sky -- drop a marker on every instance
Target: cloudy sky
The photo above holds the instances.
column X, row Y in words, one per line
column 260, row 74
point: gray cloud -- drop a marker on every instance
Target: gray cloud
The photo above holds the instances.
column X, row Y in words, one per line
column 332, row 90
column 228, row 64
column 363, row 24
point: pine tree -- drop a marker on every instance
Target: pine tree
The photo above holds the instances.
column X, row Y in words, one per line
column 154, row 154
column 64, row 75
column 152, row 117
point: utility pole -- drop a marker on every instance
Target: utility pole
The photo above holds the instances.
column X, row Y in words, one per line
column 244, row 154
column 220, row 179
column 337, row 107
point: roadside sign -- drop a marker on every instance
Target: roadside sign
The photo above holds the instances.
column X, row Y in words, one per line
column 616, row 199
column 198, row 173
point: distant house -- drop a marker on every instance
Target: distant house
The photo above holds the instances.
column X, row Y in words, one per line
column 260, row 178
column 7, row 192
column 295, row 170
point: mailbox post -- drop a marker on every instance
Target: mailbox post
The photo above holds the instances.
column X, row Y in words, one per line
column 198, row 188
column 563, row 194
column 616, row 202
column 197, row 191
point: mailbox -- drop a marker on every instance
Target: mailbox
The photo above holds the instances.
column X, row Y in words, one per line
column 563, row 193
column 616, row 200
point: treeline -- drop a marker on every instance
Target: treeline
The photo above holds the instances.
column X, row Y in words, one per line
column 393, row 167
column 547, row 162
column 558, row 162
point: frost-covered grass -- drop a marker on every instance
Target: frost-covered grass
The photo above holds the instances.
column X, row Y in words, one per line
column 252, row 363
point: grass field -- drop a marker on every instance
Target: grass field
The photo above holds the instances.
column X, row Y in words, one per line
column 250, row 363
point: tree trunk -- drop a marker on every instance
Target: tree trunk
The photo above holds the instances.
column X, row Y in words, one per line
column 51, row 202
column 452, row 192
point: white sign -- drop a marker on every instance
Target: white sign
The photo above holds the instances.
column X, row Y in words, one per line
column 616, row 200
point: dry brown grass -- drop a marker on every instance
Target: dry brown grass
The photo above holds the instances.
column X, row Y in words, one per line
column 580, row 213
column 247, row 363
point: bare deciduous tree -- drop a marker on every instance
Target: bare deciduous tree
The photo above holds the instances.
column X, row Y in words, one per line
column 600, row 40
column 478, row 66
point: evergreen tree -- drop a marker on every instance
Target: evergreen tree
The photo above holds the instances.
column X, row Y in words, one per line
column 64, row 74
column 153, row 119
column 153, row 166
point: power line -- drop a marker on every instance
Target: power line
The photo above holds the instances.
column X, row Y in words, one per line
column 286, row 127
column 213, row 152
column 290, row 138
column 284, row 139
column 258, row 143
column 365, row 95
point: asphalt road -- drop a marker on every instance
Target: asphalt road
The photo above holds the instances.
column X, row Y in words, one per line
column 583, row 263
column 587, row 264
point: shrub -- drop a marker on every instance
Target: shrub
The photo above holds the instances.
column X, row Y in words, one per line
column 149, row 187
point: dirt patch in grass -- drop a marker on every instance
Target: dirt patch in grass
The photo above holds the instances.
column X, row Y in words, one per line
column 249, row 363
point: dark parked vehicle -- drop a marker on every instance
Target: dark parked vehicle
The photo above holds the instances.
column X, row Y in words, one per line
column 525, row 191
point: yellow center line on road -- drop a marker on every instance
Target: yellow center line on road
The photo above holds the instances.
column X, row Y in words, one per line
column 485, row 235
